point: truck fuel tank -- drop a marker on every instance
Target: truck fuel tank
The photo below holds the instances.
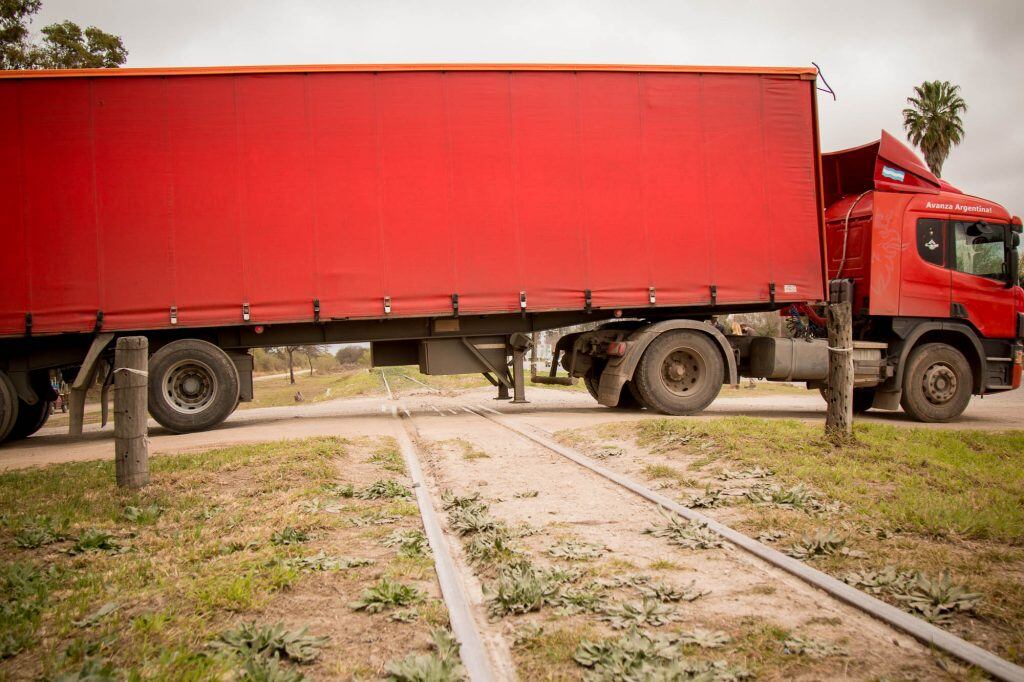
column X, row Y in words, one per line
column 784, row 359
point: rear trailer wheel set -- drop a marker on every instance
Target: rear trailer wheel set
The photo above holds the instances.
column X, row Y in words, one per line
column 680, row 373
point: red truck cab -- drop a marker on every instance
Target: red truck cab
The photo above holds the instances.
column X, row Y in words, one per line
column 930, row 264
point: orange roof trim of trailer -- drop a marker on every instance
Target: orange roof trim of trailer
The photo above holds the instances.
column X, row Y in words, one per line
column 801, row 72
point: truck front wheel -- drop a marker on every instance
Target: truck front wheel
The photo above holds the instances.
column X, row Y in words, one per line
column 193, row 385
column 936, row 383
column 681, row 372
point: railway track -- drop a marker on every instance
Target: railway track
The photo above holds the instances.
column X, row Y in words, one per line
column 470, row 619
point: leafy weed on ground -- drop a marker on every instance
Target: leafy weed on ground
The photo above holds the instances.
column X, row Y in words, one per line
column 688, row 534
column 387, row 594
column 440, row 665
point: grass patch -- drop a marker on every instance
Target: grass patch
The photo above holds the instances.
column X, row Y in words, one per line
column 543, row 653
column 95, row 580
column 388, row 456
column 909, row 502
column 657, row 472
column 941, row 482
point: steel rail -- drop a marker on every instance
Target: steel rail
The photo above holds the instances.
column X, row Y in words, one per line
column 471, row 646
column 417, row 381
column 391, row 396
column 901, row 620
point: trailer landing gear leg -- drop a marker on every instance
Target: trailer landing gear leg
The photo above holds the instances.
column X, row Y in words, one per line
column 82, row 382
column 520, row 344
column 502, row 392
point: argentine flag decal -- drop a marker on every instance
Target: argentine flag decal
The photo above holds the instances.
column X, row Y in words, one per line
column 893, row 173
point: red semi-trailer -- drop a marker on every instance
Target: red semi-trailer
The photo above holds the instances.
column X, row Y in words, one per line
column 444, row 212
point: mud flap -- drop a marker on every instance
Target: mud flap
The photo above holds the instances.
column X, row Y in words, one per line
column 613, row 378
column 887, row 400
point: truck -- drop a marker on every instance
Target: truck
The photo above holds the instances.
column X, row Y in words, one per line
column 444, row 213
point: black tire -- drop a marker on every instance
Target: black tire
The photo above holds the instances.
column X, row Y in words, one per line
column 9, row 405
column 863, row 398
column 937, row 383
column 193, row 385
column 628, row 399
column 680, row 373
column 30, row 419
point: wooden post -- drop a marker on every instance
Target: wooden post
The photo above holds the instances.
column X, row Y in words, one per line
column 131, row 444
column 839, row 419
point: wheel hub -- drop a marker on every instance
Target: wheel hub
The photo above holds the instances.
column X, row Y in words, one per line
column 940, row 383
column 190, row 386
column 676, row 371
column 682, row 371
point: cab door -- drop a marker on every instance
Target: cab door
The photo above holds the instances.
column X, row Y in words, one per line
column 978, row 261
column 925, row 279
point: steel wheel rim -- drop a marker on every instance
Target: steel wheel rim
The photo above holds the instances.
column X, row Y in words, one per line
column 683, row 371
column 939, row 383
column 189, row 386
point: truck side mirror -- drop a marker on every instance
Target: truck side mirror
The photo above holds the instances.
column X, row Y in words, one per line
column 1013, row 264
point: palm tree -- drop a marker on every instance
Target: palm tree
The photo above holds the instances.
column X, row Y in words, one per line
column 933, row 121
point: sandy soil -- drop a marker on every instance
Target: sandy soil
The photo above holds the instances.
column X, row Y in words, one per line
column 574, row 503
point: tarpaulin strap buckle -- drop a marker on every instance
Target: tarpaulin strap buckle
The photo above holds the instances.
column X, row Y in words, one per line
column 245, row 312
column 387, row 305
column 651, row 295
column 174, row 314
column 28, row 324
column 714, row 294
column 455, row 305
column 99, row 321
column 588, row 301
column 316, row 309
column 771, row 291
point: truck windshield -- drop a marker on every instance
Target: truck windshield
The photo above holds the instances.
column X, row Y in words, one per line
column 979, row 248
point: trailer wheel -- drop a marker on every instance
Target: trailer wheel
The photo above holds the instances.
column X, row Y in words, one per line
column 8, row 406
column 193, row 385
column 30, row 419
column 936, row 383
column 681, row 372
column 628, row 398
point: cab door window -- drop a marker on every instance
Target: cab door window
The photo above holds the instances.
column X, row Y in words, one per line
column 931, row 240
column 978, row 248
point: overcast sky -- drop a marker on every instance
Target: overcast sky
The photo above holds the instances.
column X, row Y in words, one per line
column 872, row 53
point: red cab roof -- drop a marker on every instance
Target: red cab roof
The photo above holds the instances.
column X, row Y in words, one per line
column 885, row 164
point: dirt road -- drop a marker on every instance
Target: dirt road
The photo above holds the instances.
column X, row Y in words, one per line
column 549, row 409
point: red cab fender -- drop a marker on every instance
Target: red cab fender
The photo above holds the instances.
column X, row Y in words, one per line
column 911, row 332
column 620, row 370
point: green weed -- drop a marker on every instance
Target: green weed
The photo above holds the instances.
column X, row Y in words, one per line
column 387, row 594
column 440, row 665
